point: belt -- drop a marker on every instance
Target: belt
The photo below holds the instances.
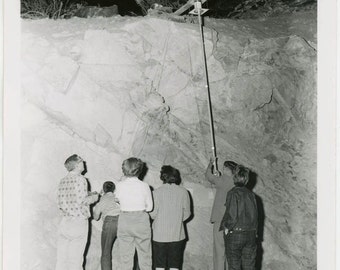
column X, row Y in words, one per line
column 139, row 211
column 237, row 229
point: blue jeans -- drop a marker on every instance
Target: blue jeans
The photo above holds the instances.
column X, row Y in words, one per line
column 240, row 250
column 109, row 234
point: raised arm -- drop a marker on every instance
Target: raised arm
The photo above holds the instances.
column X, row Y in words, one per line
column 213, row 179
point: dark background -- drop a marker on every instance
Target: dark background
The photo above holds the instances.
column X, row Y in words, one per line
column 217, row 8
column 235, row 9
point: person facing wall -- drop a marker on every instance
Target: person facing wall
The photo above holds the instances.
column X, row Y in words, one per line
column 134, row 231
column 171, row 209
column 73, row 202
column 108, row 209
column 223, row 183
column 240, row 223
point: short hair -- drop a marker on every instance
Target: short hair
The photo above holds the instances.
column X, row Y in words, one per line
column 109, row 186
column 241, row 176
column 231, row 165
column 71, row 162
column 170, row 175
column 132, row 167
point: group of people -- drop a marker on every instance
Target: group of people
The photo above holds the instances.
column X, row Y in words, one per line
column 234, row 217
column 127, row 206
column 126, row 209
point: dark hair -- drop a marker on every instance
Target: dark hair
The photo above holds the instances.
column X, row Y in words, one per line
column 71, row 162
column 132, row 166
column 109, row 186
column 241, row 176
column 170, row 175
column 231, row 165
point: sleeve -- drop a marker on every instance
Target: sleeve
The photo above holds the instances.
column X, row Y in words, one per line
column 116, row 192
column 186, row 206
column 82, row 194
column 213, row 179
column 230, row 217
column 58, row 195
column 81, row 191
column 209, row 175
column 148, row 199
column 154, row 212
column 97, row 211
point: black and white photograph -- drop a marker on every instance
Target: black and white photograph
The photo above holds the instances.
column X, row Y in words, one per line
column 169, row 134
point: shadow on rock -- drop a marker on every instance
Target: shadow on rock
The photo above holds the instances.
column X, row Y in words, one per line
column 261, row 217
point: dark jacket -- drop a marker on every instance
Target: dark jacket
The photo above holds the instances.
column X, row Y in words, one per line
column 241, row 210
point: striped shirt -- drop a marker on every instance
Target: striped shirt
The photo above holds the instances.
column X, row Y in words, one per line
column 134, row 195
column 73, row 198
column 107, row 206
column 171, row 208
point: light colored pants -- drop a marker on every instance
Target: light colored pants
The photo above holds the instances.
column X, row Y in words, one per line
column 72, row 238
column 134, row 232
column 219, row 257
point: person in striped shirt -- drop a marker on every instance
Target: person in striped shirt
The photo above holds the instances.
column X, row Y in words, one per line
column 108, row 209
column 171, row 209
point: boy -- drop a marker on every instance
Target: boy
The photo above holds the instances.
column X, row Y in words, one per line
column 240, row 223
column 73, row 201
column 109, row 210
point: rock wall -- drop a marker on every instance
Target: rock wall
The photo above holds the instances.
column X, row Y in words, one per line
column 111, row 88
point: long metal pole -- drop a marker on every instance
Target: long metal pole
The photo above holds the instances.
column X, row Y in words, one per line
column 212, row 133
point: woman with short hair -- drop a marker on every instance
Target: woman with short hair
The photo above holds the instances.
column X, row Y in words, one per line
column 134, row 232
column 171, row 209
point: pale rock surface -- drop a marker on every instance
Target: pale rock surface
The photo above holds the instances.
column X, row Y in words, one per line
column 111, row 88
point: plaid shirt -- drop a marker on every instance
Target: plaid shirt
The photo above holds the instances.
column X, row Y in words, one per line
column 73, row 199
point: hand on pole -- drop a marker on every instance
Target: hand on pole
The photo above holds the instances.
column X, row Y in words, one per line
column 216, row 172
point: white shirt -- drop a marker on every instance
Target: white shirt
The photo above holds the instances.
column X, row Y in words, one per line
column 134, row 195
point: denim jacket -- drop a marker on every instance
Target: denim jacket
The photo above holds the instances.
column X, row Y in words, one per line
column 241, row 210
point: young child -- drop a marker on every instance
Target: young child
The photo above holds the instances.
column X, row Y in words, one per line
column 109, row 210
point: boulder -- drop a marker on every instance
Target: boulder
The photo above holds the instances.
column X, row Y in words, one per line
column 111, row 88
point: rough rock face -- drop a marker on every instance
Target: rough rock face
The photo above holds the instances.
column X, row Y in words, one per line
column 111, row 88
